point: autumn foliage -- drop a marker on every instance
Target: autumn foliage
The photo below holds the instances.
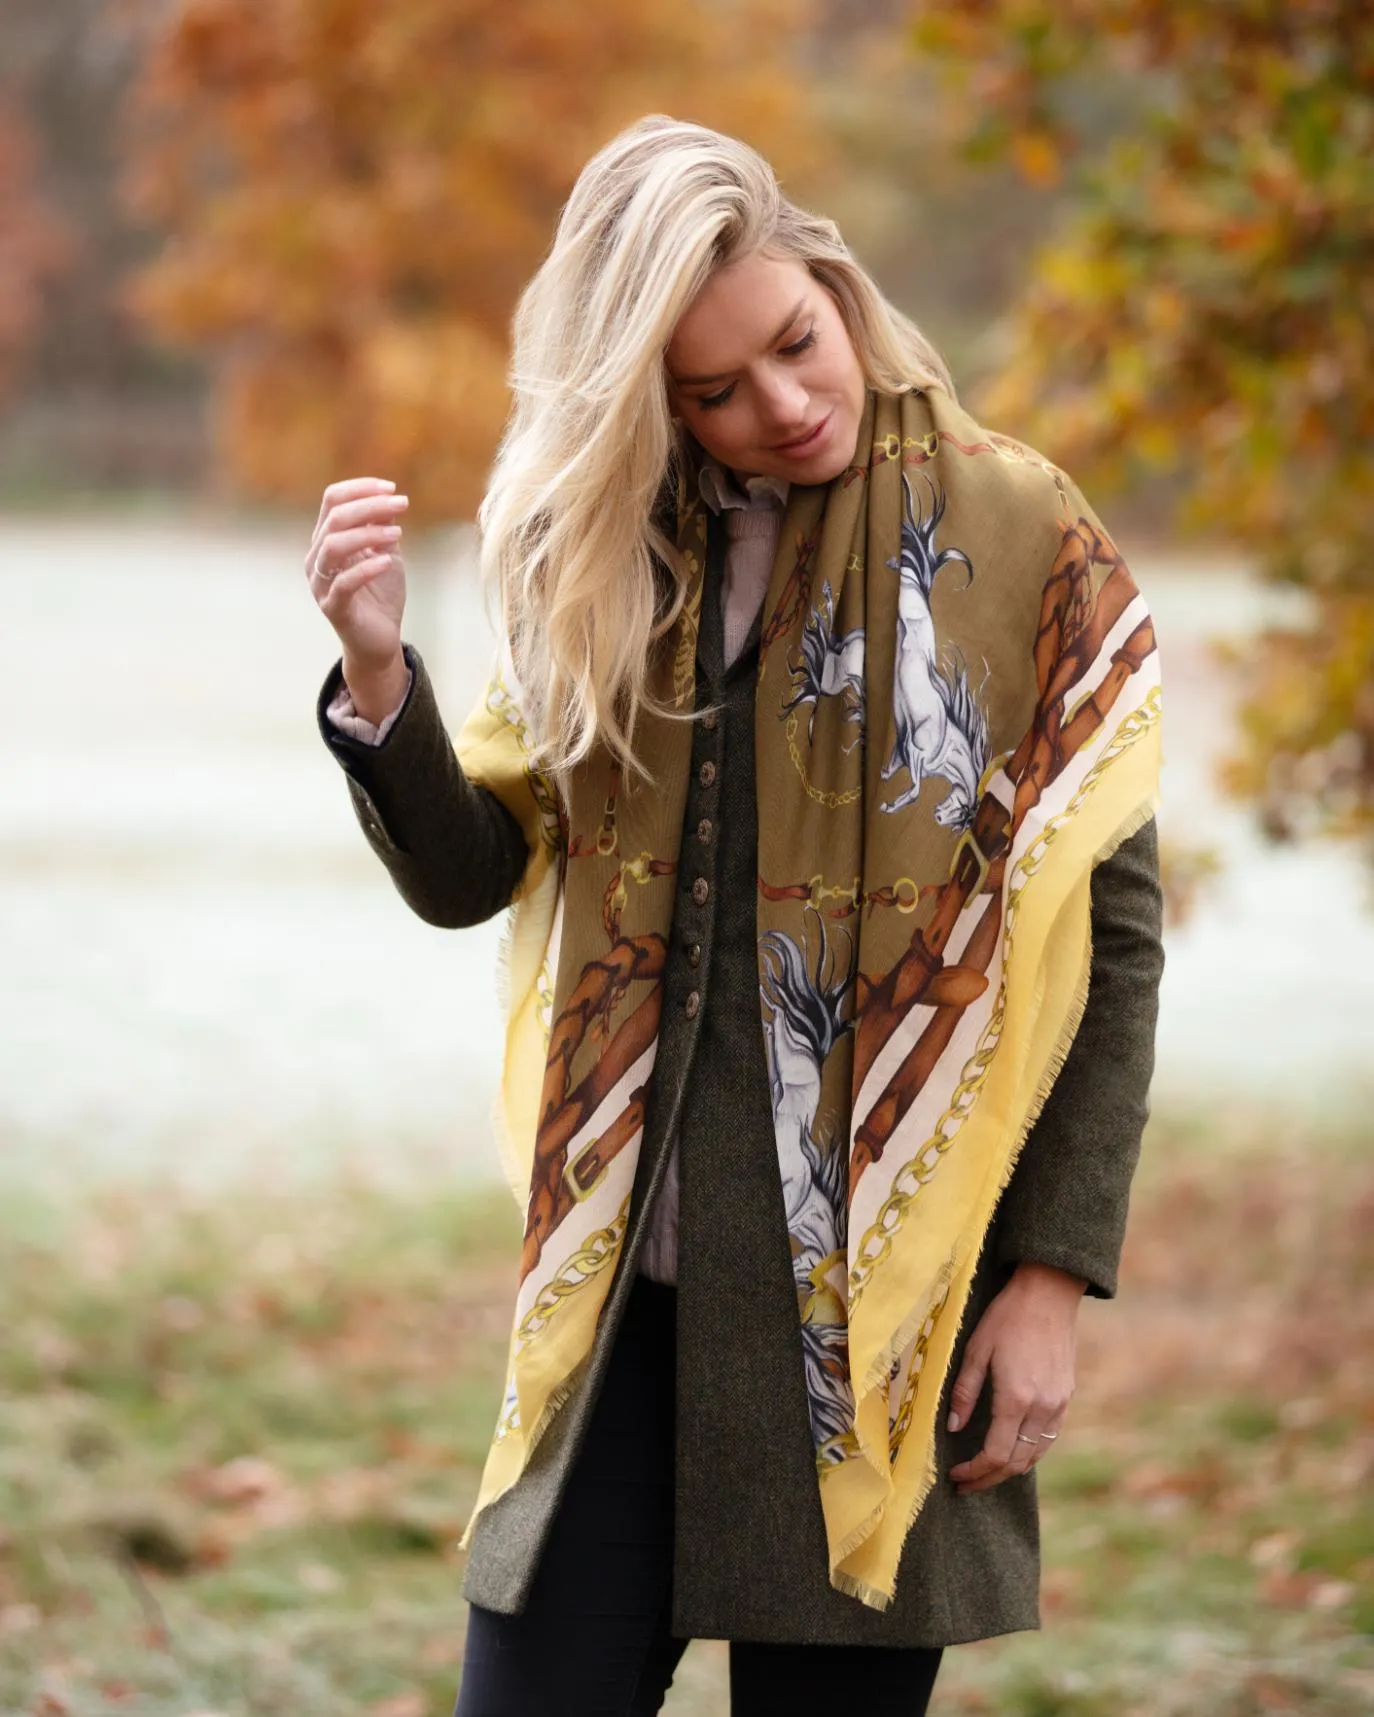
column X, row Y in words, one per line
column 1207, row 312
column 36, row 244
column 354, row 194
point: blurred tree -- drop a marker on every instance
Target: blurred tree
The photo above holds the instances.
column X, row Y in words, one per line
column 38, row 245
column 949, row 238
column 355, row 195
column 98, row 407
column 1207, row 311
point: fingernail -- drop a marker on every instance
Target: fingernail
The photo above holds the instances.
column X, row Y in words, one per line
column 387, row 485
column 953, row 1422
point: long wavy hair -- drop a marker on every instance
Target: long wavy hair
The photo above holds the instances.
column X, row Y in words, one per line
column 569, row 537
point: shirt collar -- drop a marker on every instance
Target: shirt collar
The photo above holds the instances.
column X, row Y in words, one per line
column 720, row 488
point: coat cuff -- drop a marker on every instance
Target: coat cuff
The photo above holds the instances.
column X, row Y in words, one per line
column 342, row 713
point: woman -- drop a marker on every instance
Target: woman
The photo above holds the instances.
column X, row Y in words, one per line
column 821, row 765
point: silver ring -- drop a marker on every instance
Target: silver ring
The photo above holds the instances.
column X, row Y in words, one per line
column 1021, row 1439
column 1048, row 1436
column 320, row 573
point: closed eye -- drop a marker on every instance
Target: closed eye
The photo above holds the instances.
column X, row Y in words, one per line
column 710, row 402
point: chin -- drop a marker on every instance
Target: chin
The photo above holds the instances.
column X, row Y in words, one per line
column 831, row 466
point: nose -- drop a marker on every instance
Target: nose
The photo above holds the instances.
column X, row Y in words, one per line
column 784, row 403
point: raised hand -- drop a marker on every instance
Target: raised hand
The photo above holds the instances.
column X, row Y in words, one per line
column 356, row 575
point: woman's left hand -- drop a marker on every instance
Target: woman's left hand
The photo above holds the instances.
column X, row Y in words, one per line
column 1027, row 1338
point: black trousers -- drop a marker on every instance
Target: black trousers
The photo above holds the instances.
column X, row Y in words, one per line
column 595, row 1639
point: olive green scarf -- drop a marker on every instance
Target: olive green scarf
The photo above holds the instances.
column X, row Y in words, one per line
column 957, row 716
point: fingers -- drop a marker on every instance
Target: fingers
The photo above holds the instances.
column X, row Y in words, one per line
column 1015, row 1442
column 338, row 549
column 996, row 1460
column 357, row 514
column 337, row 590
column 1046, row 1435
column 963, row 1398
column 1026, row 1347
column 350, row 489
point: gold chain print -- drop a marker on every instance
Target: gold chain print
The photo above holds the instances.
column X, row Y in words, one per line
column 502, row 704
column 831, row 801
column 585, row 1264
column 909, row 1179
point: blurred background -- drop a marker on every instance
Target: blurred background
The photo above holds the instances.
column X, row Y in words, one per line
column 255, row 1265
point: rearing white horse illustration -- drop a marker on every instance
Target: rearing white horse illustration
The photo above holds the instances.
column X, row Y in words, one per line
column 831, row 665
column 804, row 1020
column 940, row 728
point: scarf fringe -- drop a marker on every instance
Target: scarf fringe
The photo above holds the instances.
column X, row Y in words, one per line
column 557, row 1397
column 507, row 1148
column 866, row 1594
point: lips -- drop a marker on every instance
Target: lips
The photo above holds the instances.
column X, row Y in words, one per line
column 803, row 442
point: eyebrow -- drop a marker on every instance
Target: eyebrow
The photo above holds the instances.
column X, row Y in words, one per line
column 699, row 381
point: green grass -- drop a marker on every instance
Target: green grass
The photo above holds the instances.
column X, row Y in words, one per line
column 238, row 1441
column 240, row 1435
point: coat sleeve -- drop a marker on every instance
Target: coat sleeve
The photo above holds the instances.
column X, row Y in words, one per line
column 1066, row 1201
column 453, row 850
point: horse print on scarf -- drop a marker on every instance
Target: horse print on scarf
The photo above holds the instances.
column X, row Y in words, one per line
column 804, row 1019
column 828, row 664
column 941, row 730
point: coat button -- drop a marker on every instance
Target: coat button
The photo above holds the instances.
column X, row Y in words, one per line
column 708, row 721
column 706, row 774
column 701, row 890
column 692, row 1006
column 704, row 831
column 694, row 953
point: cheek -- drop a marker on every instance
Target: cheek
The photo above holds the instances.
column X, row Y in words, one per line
column 837, row 376
column 724, row 434
column 852, row 374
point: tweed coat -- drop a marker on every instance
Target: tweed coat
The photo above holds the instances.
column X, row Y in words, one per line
column 749, row 1543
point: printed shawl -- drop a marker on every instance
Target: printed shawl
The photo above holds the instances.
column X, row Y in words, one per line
column 957, row 715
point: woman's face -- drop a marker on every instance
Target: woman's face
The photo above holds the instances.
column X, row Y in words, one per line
column 762, row 371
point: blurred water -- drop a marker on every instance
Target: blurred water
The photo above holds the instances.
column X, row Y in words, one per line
column 204, row 971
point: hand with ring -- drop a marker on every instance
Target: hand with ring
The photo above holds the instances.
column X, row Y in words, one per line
column 356, row 575
column 1026, row 1340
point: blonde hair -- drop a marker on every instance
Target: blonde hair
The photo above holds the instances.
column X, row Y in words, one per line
column 568, row 534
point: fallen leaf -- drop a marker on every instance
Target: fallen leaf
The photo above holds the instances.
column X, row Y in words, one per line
column 245, row 1479
column 401, row 1705
column 1275, row 1550
column 1059, row 1589
column 318, row 1577
column 1289, row 1590
column 1331, row 1594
